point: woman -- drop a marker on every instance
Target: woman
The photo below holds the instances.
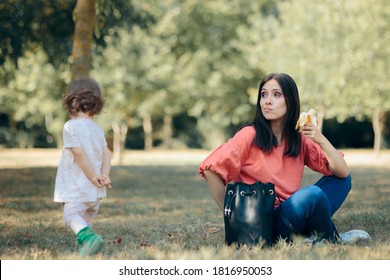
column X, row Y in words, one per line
column 270, row 149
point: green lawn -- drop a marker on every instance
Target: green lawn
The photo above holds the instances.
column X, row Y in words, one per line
column 167, row 212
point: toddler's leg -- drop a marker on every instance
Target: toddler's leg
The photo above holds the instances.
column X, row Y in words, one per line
column 77, row 215
column 91, row 211
column 73, row 215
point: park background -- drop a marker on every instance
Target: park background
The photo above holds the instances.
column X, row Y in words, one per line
column 180, row 77
column 185, row 74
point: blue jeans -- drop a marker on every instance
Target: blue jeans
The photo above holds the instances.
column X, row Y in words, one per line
column 309, row 211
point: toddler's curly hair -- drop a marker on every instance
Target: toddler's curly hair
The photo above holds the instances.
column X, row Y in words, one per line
column 85, row 95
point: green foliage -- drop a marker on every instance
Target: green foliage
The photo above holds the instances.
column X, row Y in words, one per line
column 44, row 22
column 50, row 24
column 336, row 51
column 33, row 95
column 186, row 62
column 199, row 59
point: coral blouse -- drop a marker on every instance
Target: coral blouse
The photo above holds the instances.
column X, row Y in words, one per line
column 239, row 160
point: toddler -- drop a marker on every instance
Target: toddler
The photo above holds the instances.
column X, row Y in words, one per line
column 84, row 168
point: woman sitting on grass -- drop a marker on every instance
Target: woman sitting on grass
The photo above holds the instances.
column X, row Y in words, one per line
column 270, row 149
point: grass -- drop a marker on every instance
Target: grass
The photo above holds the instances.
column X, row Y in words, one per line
column 166, row 212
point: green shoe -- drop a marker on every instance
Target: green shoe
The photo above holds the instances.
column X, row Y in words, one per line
column 90, row 243
column 91, row 246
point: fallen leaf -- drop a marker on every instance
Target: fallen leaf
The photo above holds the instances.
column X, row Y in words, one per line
column 117, row 240
column 28, row 235
column 210, row 230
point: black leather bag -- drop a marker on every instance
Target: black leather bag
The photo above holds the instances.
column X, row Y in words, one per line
column 248, row 213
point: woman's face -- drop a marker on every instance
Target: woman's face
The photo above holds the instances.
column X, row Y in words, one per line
column 272, row 101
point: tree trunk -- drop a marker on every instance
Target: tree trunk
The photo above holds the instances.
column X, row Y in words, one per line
column 84, row 14
column 148, row 131
column 120, row 132
column 167, row 131
column 377, row 125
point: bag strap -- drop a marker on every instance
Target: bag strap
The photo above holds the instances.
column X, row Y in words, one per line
column 228, row 208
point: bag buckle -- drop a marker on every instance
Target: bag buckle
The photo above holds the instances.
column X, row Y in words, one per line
column 228, row 208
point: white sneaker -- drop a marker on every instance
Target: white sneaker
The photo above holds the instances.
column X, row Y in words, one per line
column 354, row 237
column 308, row 240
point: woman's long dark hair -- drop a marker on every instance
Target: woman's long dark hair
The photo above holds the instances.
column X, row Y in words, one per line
column 265, row 139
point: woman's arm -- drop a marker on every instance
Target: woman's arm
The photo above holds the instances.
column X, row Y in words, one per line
column 224, row 163
column 217, row 187
column 337, row 164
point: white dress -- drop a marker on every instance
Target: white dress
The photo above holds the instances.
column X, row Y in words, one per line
column 71, row 184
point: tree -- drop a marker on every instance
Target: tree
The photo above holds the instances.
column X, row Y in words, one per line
column 368, row 83
column 134, row 71
column 185, row 60
column 208, row 32
column 45, row 23
column 335, row 50
column 35, row 41
column 84, row 15
column 50, row 24
column 32, row 95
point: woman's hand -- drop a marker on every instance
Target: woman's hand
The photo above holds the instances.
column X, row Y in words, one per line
column 313, row 132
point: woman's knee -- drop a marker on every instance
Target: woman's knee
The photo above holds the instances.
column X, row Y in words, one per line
column 316, row 194
column 347, row 183
column 312, row 193
column 332, row 184
column 307, row 199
